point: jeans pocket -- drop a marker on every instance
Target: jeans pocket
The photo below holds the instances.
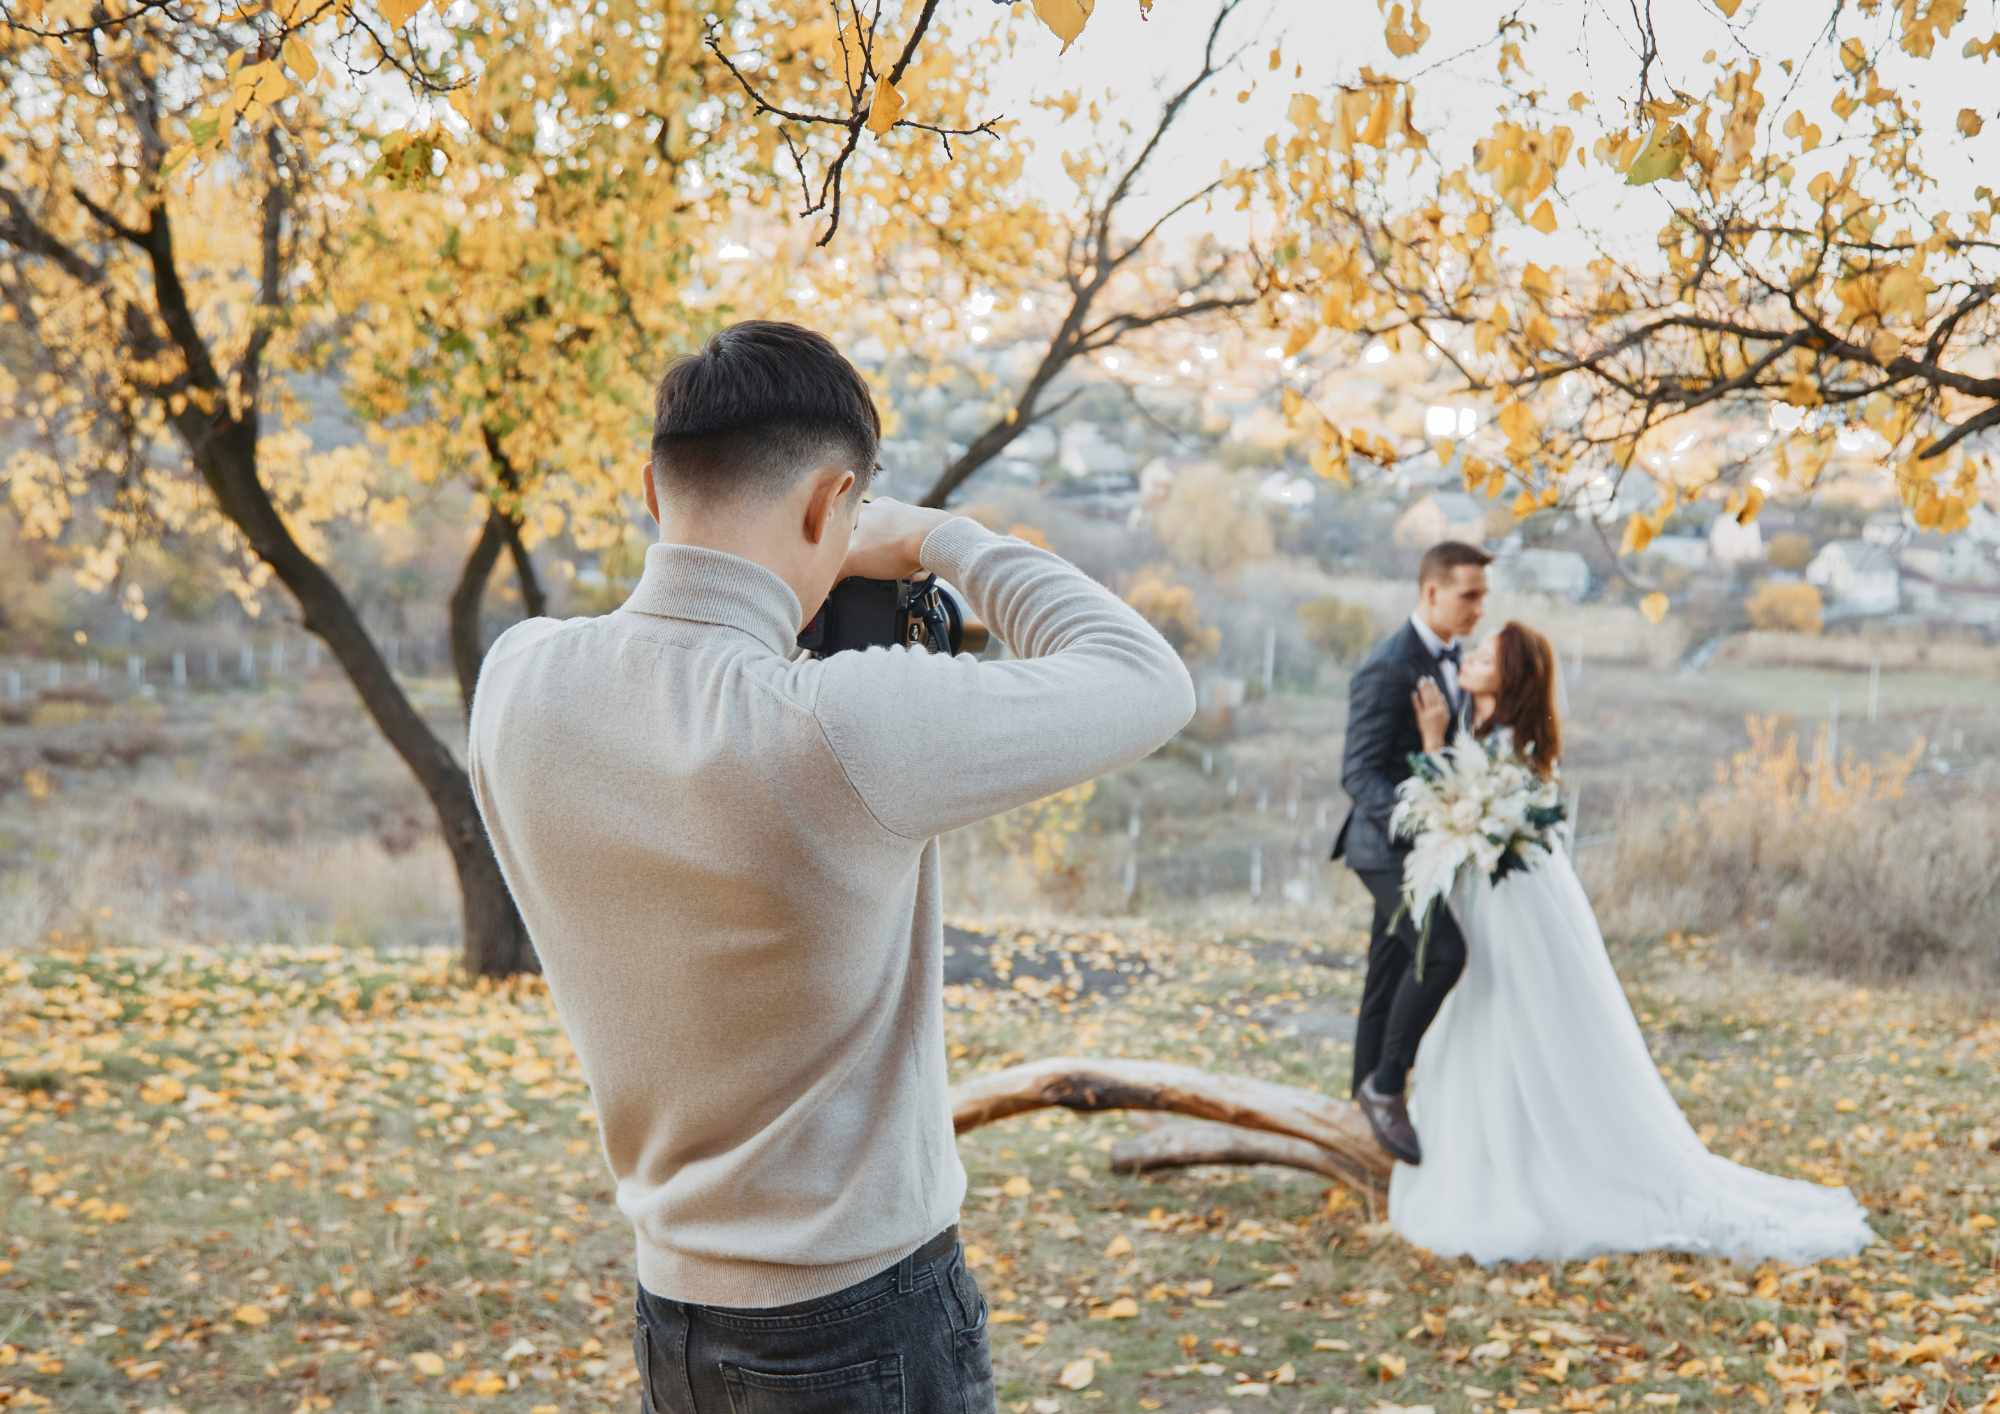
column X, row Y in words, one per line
column 642, row 1357
column 872, row 1387
column 974, row 1350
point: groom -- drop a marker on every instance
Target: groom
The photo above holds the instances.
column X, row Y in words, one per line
column 1382, row 734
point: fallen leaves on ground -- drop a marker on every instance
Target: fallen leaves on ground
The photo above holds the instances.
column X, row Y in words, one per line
column 323, row 1177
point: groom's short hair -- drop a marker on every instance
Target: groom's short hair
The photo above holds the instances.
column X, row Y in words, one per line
column 763, row 404
column 1447, row 555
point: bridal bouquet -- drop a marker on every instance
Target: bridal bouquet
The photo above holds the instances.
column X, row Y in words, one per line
column 1477, row 806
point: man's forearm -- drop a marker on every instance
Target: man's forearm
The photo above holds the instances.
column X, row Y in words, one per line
column 1091, row 687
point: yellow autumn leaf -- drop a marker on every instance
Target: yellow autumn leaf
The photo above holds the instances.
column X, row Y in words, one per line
column 1753, row 502
column 1969, row 122
column 1078, row 1374
column 1661, row 157
column 1525, row 505
column 1123, row 1309
column 886, row 108
column 1405, row 42
column 428, row 1362
column 1391, row 1365
column 252, row 1315
column 1544, row 219
column 1654, row 607
column 1017, row 1187
column 399, row 12
column 1119, row 1246
column 1729, row 7
column 1065, row 18
column 1639, row 533
column 299, row 59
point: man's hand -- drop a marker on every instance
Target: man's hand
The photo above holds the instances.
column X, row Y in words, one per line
column 887, row 539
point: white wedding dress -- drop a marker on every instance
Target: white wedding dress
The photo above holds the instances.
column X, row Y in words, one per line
column 1547, row 1132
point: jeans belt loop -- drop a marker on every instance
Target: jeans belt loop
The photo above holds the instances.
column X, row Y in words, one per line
column 906, row 1275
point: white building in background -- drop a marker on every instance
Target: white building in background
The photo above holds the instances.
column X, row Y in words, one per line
column 1858, row 577
column 1562, row 573
column 1293, row 493
column 1690, row 552
column 1733, row 544
column 1086, row 452
column 1441, row 515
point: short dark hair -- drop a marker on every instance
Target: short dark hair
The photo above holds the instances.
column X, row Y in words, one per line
column 1447, row 555
column 761, row 405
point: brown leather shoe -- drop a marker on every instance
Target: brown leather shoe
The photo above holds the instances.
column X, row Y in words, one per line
column 1389, row 1117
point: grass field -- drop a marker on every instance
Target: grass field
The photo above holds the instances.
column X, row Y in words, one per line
column 310, row 1179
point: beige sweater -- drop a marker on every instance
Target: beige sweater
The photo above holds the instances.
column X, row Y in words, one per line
column 726, row 858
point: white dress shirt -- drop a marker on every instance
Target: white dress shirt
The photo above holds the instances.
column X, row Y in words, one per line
column 1446, row 667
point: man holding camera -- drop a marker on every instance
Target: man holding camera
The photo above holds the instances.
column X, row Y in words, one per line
column 726, row 856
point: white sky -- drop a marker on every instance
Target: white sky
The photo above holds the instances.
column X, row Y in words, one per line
column 1578, row 45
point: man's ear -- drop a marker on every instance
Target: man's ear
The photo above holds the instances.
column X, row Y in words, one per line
column 649, row 493
column 829, row 493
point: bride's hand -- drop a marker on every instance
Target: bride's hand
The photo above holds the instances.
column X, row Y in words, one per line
column 1433, row 714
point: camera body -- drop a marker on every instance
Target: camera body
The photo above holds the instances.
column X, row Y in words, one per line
column 862, row 613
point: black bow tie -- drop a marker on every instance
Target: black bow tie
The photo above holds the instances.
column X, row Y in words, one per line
column 1448, row 654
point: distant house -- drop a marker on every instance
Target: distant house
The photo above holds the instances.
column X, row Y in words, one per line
column 1733, row 544
column 1562, row 573
column 1441, row 515
column 1858, row 577
column 1690, row 552
column 1885, row 528
column 1086, row 452
column 1107, row 495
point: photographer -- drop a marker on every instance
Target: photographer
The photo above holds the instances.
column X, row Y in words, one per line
column 725, row 854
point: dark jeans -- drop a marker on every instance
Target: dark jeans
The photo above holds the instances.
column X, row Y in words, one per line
column 908, row 1340
column 1396, row 1009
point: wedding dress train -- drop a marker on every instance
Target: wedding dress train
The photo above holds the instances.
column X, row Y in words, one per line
column 1547, row 1132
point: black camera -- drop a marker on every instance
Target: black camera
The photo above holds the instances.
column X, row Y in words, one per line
column 924, row 613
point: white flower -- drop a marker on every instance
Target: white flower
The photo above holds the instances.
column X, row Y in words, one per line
column 1470, row 814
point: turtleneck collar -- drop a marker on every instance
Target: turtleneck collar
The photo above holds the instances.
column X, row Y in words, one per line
column 710, row 587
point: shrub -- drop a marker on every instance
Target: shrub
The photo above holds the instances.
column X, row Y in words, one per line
column 1342, row 631
column 1211, row 520
column 1171, row 608
column 1785, row 608
column 1789, row 550
column 1820, row 866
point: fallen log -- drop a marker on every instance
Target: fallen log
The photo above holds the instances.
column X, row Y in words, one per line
column 1191, row 1142
column 1335, row 1127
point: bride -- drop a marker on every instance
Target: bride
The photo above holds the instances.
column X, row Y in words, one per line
column 1548, row 1133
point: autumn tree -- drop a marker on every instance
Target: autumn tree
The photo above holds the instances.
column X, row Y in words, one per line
column 571, row 247
column 1092, row 287
column 1811, row 283
column 162, row 314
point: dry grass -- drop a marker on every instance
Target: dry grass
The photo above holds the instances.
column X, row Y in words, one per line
column 1901, row 653
column 317, row 1179
column 1843, row 870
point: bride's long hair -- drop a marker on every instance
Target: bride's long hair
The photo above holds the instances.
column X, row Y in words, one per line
column 1526, row 703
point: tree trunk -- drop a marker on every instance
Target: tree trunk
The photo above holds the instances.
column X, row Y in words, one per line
column 998, row 437
column 534, row 603
column 495, row 941
column 1335, row 1127
column 468, row 645
column 1199, row 1142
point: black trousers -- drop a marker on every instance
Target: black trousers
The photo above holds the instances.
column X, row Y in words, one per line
column 908, row 1340
column 1396, row 1009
